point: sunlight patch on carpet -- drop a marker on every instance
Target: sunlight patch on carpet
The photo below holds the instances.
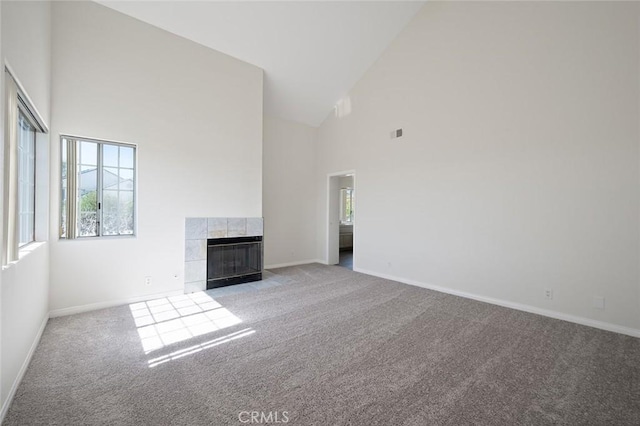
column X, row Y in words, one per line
column 170, row 320
column 197, row 348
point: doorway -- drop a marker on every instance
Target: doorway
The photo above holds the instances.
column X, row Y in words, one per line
column 341, row 219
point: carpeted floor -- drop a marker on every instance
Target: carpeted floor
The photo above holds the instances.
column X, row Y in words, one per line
column 327, row 347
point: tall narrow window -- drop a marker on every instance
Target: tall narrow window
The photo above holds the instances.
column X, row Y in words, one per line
column 26, row 180
column 98, row 188
column 23, row 129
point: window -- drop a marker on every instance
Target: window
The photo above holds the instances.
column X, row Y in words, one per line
column 346, row 206
column 98, row 188
column 26, row 180
column 23, row 220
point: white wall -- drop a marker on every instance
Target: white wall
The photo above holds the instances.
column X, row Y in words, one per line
column 289, row 204
column 519, row 166
column 196, row 116
column 24, row 285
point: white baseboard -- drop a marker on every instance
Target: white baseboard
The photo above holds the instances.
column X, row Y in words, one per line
column 23, row 369
column 513, row 305
column 111, row 303
column 296, row 263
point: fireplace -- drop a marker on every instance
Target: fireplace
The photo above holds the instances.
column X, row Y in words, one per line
column 202, row 271
column 233, row 261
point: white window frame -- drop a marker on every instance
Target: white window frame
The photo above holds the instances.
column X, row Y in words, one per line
column 69, row 207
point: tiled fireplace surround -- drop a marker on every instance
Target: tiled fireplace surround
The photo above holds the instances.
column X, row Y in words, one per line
column 198, row 230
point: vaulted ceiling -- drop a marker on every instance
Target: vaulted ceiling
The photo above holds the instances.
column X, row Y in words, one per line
column 312, row 52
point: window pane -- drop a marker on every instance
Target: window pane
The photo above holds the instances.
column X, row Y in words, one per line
column 89, row 153
column 88, row 224
column 88, row 180
column 63, row 189
column 117, row 192
column 110, row 212
column 88, row 208
column 126, row 179
column 126, row 157
column 110, row 178
column 125, row 210
column 110, row 155
column 88, row 201
column 26, row 181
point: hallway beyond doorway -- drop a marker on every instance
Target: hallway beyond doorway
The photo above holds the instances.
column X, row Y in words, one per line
column 346, row 259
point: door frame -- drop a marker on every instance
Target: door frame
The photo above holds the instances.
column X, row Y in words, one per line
column 332, row 247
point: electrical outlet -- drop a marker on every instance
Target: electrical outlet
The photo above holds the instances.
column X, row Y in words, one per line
column 147, row 281
column 598, row 302
column 548, row 294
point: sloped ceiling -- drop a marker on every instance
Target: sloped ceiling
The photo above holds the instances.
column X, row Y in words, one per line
column 312, row 52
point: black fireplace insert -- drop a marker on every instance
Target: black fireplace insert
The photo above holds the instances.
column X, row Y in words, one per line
column 233, row 261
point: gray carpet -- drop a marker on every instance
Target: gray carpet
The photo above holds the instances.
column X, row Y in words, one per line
column 328, row 347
